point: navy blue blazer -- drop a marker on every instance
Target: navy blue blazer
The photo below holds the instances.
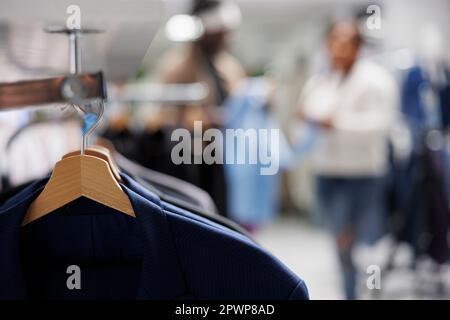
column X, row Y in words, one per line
column 165, row 253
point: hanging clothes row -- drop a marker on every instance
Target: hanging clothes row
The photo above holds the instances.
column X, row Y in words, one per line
column 122, row 239
column 165, row 252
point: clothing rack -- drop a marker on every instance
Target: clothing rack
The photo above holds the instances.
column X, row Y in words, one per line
column 73, row 89
column 164, row 94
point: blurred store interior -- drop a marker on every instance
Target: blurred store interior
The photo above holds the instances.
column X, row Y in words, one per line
column 251, row 64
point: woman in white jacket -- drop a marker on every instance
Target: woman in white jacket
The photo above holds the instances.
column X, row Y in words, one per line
column 354, row 104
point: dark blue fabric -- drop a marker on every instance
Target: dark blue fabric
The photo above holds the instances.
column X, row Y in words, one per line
column 159, row 255
column 106, row 246
column 133, row 185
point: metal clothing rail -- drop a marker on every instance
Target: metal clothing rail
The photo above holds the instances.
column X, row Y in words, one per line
column 163, row 94
column 74, row 89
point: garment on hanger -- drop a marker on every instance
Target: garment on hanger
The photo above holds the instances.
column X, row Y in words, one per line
column 206, row 218
column 155, row 149
column 124, row 141
column 9, row 192
column 158, row 255
column 170, row 189
column 252, row 196
column 424, row 102
column 174, row 201
column 175, row 191
column 184, row 191
column 423, row 191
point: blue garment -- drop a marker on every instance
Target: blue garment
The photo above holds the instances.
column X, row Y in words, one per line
column 158, row 255
column 425, row 105
column 253, row 197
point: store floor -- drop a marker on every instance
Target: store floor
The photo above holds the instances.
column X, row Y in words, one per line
column 309, row 251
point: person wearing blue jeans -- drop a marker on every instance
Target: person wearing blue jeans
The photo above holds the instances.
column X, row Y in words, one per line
column 353, row 104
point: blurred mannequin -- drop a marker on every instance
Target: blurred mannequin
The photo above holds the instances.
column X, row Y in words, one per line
column 354, row 104
column 205, row 60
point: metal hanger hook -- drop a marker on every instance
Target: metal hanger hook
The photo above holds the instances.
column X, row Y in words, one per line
column 74, row 36
column 88, row 128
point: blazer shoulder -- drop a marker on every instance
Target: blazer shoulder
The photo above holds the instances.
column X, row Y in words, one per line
column 226, row 265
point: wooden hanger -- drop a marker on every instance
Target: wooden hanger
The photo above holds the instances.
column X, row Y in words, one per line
column 76, row 176
column 79, row 176
column 102, row 153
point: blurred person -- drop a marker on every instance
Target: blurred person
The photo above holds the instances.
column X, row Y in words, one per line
column 206, row 60
column 353, row 103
